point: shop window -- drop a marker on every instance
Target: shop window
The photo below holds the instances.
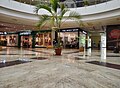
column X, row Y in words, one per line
column 43, row 39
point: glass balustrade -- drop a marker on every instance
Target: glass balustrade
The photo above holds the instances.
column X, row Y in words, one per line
column 68, row 3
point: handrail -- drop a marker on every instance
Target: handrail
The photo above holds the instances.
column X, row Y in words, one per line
column 78, row 3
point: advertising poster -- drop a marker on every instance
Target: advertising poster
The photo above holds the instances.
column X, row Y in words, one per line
column 113, row 36
column 82, row 39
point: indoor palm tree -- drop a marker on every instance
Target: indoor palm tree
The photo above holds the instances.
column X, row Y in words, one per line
column 57, row 11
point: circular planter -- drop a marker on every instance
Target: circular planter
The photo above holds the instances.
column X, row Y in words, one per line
column 58, row 51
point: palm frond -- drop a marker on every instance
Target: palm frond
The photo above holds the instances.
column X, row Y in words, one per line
column 63, row 10
column 43, row 20
column 43, row 7
column 52, row 21
column 54, row 4
column 62, row 6
column 74, row 15
column 80, row 23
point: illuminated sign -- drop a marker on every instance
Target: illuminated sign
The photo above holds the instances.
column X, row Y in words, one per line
column 3, row 33
column 69, row 30
column 84, row 32
column 26, row 33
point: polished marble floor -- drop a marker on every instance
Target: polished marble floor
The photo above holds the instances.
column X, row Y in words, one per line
column 63, row 71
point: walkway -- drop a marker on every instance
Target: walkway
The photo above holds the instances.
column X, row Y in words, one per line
column 67, row 71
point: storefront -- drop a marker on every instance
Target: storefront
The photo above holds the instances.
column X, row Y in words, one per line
column 3, row 38
column 25, row 39
column 34, row 39
column 43, row 38
column 12, row 39
column 69, row 37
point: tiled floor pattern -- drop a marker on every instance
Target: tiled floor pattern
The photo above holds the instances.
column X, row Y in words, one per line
column 57, row 71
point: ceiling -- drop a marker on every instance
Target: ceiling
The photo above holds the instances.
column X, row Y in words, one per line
column 8, row 23
column 12, row 27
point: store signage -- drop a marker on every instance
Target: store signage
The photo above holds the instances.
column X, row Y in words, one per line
column 84, row 32
column 114, row 33
column 3, row 33
column 26, row 33
column 69, row 30
column 12, row 33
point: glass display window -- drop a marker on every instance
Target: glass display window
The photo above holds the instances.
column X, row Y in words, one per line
column 26, row 41
column 12, row 40
column 43, row 39
column 2, row 37
column 69, row 39
column 3, row 40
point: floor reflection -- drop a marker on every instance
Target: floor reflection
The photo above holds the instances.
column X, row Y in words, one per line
column 11, row 63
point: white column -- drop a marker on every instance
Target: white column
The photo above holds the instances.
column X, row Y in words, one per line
column 88, row 46
column 84, row 43
column 103, row 47
column 80, row 44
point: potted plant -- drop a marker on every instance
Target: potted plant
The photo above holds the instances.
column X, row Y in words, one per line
column 57, row 10
column 57, row 46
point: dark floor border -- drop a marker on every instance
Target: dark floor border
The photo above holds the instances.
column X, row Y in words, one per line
column 39, row 58
column 109, row 65
column 11, row 63
column 18, row 54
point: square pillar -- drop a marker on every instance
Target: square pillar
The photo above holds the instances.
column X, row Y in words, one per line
column 88, row 46
column 103, row 47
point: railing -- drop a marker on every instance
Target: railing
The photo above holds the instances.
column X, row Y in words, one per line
column 69, row 4
column 82, row 3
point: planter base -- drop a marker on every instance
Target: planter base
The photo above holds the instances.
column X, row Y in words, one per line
column 81, row 49
column 58, row 51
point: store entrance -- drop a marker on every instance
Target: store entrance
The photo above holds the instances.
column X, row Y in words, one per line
column 69, row 39
column 43, row 39
column 3, row 40
column 12, row 40
column 26, row 41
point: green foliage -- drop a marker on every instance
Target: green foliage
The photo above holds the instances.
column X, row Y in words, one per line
column 86, row 2
column 74, row 15
column 43, row 20
column 54, row 5
column 56, row 16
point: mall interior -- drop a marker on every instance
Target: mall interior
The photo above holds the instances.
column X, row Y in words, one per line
column 90, row 56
